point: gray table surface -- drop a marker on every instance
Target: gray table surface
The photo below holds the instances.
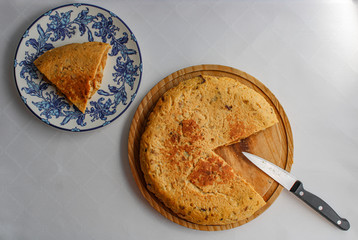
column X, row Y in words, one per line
column 62, row 185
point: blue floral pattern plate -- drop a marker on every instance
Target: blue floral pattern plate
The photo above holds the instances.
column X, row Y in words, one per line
column 79, row 23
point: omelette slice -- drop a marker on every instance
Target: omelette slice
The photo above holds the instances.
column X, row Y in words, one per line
column 75, row 69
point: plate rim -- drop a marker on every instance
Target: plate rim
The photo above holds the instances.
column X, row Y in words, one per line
column 137, row 129
column 22, row 39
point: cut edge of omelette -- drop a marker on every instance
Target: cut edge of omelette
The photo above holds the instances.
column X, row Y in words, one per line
column 242, row 201
column 75, row 69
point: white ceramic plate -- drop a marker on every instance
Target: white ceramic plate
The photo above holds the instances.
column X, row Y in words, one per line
column 79, row 23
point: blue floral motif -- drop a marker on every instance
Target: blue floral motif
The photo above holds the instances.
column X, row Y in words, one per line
column 62, row 25
column 24, row 99
column 120, row 94
column 79, row 116
column 141, row 67
column 125, row 72
column 100, row 109
column 118, row 45
column 48, row 13
column 41, row 46
column 28, row 67
column 133, row 97
column 52, row 105
column 106, row 123
column 75, row 129
column 82, row 20
column 35, row 89
column 106, row 29
column 26, row 34
column 133, row 37
column 45, row 121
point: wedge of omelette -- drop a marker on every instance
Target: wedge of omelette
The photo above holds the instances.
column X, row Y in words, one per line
column 75, row 69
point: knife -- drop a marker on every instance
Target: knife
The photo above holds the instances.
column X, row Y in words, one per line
column 293, row 185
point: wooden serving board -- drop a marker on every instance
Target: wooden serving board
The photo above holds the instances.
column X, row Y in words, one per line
column 274, row 144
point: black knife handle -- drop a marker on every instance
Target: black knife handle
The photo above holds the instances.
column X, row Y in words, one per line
column 319, row 206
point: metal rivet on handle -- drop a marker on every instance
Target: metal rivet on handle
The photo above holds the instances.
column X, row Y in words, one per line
column 339, row 222
column 301, row 193
column 320, row 208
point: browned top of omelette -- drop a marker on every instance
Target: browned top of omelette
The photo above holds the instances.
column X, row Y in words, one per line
column 176, row 149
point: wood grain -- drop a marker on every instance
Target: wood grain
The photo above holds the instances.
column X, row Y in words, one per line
column 274, row 144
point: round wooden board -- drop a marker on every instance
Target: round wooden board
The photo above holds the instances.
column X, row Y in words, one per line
column 274, row 144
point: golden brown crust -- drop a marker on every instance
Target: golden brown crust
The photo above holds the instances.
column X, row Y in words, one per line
column 75, row 69
column 176, row 151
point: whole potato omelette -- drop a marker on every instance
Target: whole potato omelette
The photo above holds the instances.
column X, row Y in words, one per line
column 177, row 148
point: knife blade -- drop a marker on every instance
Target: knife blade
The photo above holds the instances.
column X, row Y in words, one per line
column 292, row 184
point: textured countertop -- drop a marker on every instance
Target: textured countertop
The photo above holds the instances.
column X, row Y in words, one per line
column 62, row 185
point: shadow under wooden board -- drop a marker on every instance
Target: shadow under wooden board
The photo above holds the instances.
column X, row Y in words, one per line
column 274, row 144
